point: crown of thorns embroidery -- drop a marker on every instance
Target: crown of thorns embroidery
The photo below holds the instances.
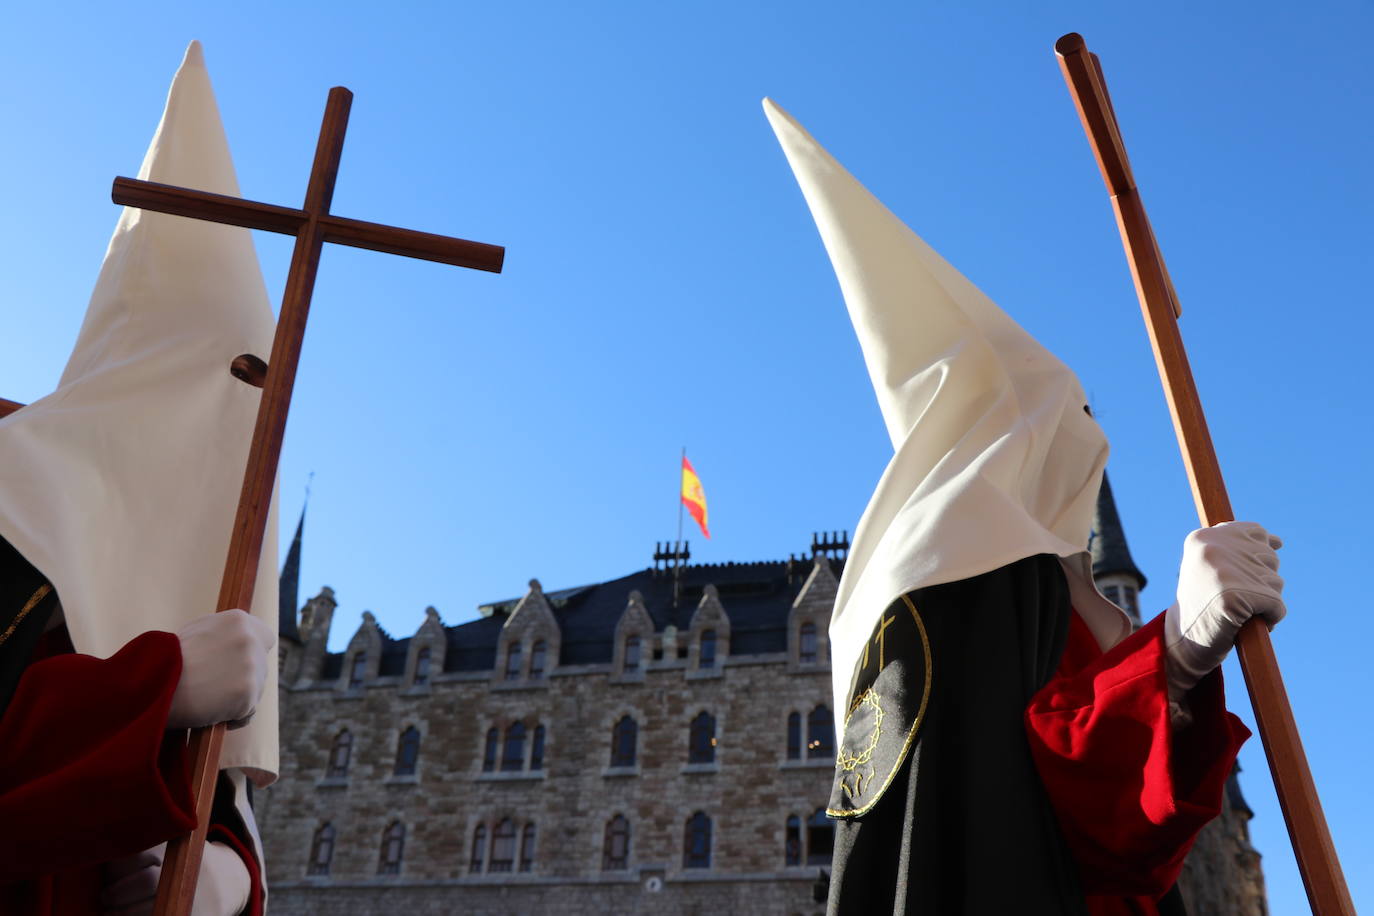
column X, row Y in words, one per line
column 849, row 762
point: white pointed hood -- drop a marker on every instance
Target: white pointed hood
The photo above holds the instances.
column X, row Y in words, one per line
column 995, row 456
column 121, row 485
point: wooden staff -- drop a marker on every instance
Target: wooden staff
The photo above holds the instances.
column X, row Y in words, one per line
column 313, row 226
column 1302, row 811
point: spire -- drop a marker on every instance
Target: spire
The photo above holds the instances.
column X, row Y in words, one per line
column 1108, row 543
column 288, row 586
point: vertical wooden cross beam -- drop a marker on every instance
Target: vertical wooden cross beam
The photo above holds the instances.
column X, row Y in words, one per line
column 313, row 225
column 1302, row 810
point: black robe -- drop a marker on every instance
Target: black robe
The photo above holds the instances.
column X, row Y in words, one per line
column 940, row 807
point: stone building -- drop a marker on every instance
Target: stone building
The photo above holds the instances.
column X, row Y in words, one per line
column 661, row 743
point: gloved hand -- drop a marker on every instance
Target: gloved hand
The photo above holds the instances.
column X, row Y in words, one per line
column 131, row 883
column 224, row 660
column 1228, row 575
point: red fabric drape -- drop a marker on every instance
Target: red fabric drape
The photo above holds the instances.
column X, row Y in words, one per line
column 1130, row 792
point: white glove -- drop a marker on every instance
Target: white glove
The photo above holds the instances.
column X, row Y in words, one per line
column 131, row 883
column 1228, row 575
column 223, row 667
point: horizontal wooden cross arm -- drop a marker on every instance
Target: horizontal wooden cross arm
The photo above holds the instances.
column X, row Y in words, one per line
column 250, row 214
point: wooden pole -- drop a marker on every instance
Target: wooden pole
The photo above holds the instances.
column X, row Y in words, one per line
column 1321, row 869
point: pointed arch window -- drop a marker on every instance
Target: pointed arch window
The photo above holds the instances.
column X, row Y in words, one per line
column 358, row 673
column 513, row 662
column 632, row 653
column 615, row 850
column 479, row 849
column 537, row 749
column 701, row 739
column 489, row 754
column 820, row 733
column 623, row 738
column 321, row 851
column 806, row 644
column 537, row 659
column 503, row 847
column 791, row 847
column 527, row 847
column 707, row 659
column 422, row 667
column 393, row 844
column 820, row 838
column 407, row 751
column 513, row 758
column 696, row 844
column 794, row 736
column 340, row 755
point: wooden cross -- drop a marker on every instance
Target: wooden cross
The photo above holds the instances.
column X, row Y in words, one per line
column 312, row 225
column 1302, row 810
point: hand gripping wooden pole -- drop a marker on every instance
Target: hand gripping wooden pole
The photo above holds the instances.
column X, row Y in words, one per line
column 312, row 225
column 1321, row 869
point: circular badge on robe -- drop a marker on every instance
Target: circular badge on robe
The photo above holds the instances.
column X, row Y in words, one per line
column 888, row 695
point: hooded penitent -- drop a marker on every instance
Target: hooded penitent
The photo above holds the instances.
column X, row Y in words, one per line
column 121, row 485
column 996, row 458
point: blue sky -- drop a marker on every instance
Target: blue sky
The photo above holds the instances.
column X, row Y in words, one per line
column 665, row 286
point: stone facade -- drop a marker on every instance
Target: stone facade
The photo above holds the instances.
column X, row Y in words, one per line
column 487, row 768
column 746, row 778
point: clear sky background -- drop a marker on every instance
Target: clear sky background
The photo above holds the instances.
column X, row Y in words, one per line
column 665, row 285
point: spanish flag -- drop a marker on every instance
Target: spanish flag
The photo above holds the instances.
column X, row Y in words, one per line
column 693, row 496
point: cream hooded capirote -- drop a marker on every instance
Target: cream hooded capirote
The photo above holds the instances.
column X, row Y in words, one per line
column 995, row 456
column 121, row 485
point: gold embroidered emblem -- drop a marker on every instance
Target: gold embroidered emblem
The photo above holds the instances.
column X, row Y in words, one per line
column 857, row 766
column 24, row 611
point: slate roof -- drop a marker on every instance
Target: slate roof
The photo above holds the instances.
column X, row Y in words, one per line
column 1108, row 545
column 288, row 587
column 757, row 597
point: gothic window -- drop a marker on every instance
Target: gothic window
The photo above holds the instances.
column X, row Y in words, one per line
column 489, row 755
column 794, row 736
column 339, row 755
column 696, row 844
column 537, row 655
column 407, row 751
column 615, row 851
column 623, row 742
column 820, row 838
column 792, row 842
column 321, row 851
column 513, row 662
column 701, row 740
column 806, row 644
column 527, row 847
column 422, row 667
column 503, row 846
column 1129, row 604
column 537, row 749
column 632, row 653
column 513, row 759
column 707, row 659
column 479, row 849
column 1113, row 594
column 393, row 842
column 820, row 733
column 359, row 670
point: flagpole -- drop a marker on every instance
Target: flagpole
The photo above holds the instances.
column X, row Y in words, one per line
column 677, row 545
column 1316, row 854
